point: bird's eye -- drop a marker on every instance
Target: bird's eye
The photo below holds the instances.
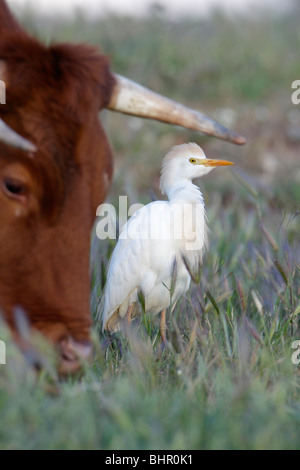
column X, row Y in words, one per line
column 193, row 160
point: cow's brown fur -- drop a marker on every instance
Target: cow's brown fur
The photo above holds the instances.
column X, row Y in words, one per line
column 54, row 95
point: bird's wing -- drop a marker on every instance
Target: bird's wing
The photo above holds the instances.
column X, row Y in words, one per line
column 132, row 261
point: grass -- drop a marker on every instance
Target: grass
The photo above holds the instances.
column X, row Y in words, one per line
column 227, row 380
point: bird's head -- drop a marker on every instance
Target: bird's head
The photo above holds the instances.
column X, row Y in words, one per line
column 184, row 163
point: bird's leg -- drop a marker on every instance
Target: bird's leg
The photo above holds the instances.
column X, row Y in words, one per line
column 163, row 326
column 128, row 314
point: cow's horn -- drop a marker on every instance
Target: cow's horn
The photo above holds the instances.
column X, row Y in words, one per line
column 10, row 137
column 131, row 98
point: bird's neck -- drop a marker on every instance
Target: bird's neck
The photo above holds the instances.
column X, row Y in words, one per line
column 184, row 192
column 188, row 209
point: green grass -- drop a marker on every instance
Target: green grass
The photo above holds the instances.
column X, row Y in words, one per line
column 227, row 381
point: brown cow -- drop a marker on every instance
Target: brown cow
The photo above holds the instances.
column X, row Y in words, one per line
column 52, row 182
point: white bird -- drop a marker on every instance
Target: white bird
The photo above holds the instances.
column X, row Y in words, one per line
column 159, row 236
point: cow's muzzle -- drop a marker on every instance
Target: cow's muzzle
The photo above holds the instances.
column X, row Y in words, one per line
column 73, row 355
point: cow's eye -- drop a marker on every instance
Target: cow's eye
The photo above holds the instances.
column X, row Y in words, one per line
column 14, row 188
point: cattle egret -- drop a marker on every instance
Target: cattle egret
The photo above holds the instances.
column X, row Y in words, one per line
column 159, row 236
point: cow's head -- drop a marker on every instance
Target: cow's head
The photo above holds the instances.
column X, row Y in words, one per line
column 52, row 182
column 48, row 198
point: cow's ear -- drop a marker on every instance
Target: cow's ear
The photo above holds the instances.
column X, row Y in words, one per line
column 8, row 22
column 85, row 76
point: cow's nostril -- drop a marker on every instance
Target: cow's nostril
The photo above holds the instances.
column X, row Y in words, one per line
column 73, row 354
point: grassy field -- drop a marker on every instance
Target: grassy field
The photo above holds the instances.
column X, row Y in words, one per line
column 227, row 380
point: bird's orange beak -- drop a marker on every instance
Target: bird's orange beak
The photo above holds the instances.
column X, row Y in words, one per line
column 213, row 162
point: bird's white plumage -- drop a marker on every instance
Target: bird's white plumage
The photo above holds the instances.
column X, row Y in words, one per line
column 155, row 236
